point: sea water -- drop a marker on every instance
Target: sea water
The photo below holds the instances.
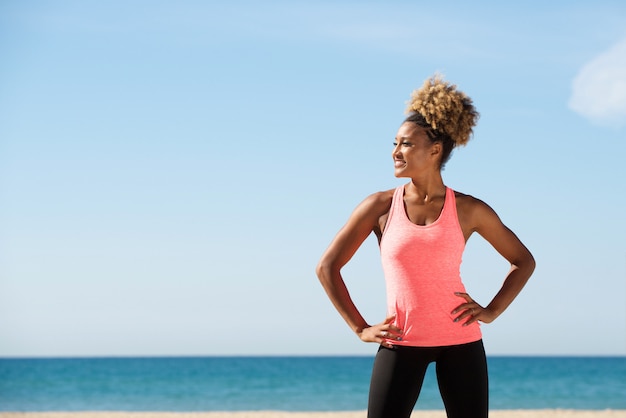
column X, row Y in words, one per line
column 287, row 383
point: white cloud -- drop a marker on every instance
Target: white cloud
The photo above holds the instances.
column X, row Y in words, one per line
column 599, row 89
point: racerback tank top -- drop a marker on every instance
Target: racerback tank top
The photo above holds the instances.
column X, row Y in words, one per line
column 422, row 266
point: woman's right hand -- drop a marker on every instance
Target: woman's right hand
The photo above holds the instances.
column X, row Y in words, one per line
column 384, row 333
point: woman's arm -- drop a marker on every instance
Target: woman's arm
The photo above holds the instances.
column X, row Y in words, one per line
column 481, row 218
column 359, row 226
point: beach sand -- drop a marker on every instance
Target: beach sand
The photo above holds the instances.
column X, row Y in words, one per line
column 527, row 413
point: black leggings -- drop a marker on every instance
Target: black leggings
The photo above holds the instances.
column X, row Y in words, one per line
column 398, row 375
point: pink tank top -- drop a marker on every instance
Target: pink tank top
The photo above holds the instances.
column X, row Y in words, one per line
column 422, row 271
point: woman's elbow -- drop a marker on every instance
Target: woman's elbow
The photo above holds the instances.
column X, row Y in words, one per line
column 320, row 269
column 532, row 263
column 527, row 263
column 324, row 270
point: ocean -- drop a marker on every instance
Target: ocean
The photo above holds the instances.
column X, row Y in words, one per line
column 287, row 383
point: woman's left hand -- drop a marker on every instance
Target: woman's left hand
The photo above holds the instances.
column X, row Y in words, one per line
column 471, row 310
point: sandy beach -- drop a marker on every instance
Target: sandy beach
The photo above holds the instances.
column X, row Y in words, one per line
column 527, row 413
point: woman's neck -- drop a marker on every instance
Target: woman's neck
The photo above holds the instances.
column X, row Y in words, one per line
column 427, row 187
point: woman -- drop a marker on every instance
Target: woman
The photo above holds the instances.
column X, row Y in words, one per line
column 422, row 228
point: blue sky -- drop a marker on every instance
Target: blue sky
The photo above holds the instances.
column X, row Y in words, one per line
column 170, row 172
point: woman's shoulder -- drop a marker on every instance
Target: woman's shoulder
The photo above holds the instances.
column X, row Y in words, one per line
column 467, row 199
column 378, row 202
column 376, row 209
column 470, row 206
column 383, row 196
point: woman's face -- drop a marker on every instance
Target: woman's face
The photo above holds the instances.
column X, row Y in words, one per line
column 414, row 153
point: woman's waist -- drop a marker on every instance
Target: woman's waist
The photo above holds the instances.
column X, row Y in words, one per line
column 433, row 326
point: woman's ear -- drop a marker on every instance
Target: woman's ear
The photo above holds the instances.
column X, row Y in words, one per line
column 436, row 149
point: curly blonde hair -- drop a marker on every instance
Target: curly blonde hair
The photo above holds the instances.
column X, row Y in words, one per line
column 446, row 110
